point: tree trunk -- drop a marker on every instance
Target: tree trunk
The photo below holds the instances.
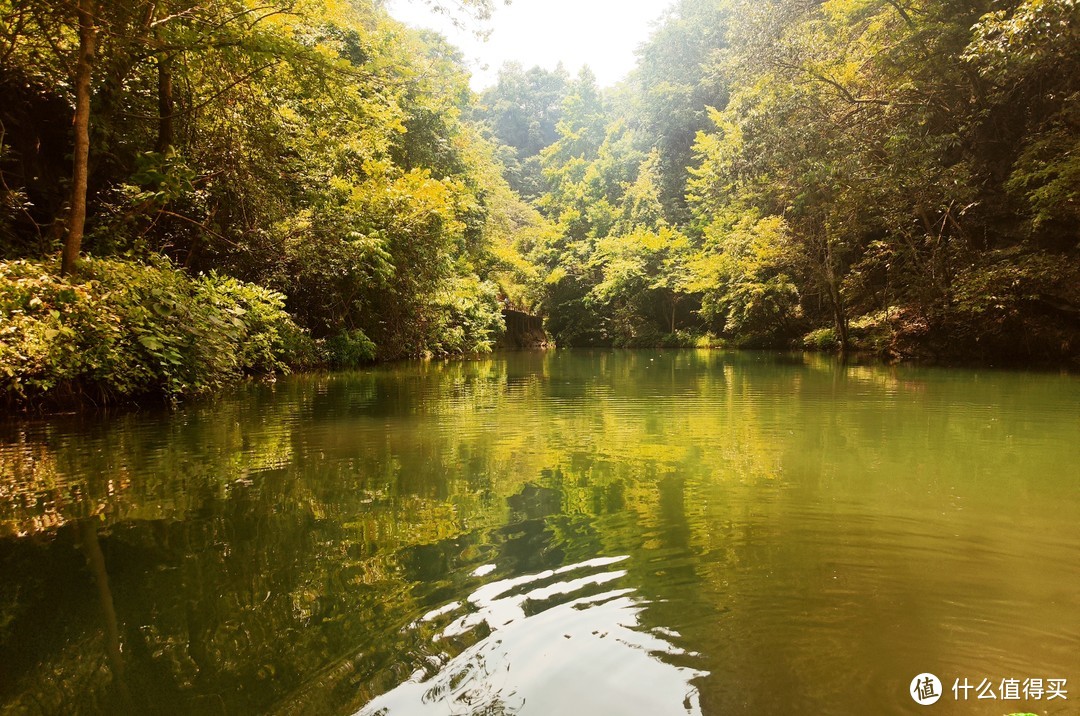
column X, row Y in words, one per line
column 832, row 287
column 83, row 69
column 841, row 322
column 165, row 103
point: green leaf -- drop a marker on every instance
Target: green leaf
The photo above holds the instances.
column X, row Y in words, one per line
column 150, row 342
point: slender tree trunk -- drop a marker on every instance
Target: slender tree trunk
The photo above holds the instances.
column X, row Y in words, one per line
column 83, row 70
column 832, row 287
column 165, row 103
column 841, row 321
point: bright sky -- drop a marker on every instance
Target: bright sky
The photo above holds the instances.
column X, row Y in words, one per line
column 602, row 34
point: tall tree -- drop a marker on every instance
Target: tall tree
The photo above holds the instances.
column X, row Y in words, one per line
column 675, row 85
column 81, row 156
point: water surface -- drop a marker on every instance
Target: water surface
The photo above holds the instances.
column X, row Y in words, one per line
column 538, row 533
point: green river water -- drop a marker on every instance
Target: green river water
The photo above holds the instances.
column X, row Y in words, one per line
column 552, row 533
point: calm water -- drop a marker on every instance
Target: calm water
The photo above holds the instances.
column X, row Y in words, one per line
column 560, row 533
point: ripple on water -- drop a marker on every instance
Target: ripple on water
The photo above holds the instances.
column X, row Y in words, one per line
column 563, row 641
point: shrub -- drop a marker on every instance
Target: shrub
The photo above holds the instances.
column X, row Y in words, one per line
column 708, row 340
column 269, row 339
column 873, row 332
column 121, row 329
column 678, row 339
column 470, row 318
column 822, row 339
column 349, row 349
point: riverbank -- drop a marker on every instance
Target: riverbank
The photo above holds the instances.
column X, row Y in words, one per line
column 124, row 332
column 1041, row 336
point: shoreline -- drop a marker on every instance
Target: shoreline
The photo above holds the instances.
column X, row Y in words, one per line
column 50, row 409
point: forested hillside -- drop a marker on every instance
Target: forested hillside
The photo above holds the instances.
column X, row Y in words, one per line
column 901, row 177
column 316, row 149
column 319, row 181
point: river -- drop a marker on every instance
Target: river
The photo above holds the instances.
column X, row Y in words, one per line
column 564, row 532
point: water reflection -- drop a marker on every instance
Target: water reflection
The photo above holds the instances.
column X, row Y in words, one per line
column 815, row 534
column 562, row 641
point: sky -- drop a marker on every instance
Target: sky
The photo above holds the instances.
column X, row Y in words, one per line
column 602, row 34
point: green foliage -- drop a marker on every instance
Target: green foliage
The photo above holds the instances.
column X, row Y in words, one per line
column 745, row 277
column 1047, row 172
column 319, row 149
column 708, row 340
column 642, row 283
column 522, row 112
column 769, row 168
column 864, row 130
column 648, row 336
column 1035, row 37
column 1014, row 305
column 821, row 339
column 1030, row 55
column 349, row 349
column 675, row 85
column 267, row 336
column 126, row 329
column 472, row 319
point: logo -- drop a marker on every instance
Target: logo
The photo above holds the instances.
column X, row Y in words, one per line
column 925, row 689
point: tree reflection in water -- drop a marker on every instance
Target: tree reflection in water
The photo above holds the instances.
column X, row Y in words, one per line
column 816, row 533
column 561, row 641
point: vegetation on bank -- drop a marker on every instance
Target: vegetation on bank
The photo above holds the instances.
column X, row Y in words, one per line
column 309, row 162
column 126, row 329
column 900, row 177
column 319, row 184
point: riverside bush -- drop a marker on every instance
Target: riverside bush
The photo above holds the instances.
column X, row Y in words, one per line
column 821, row 339
column 348, row 349
column 121, row 329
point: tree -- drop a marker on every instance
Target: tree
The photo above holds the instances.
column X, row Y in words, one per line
column 644, row 273
column 319, row 149
column 83, row 73
column 674, row 84
column 745, row 274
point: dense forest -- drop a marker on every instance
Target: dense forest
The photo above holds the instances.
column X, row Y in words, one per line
column 901, row 177
column 194, row 191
